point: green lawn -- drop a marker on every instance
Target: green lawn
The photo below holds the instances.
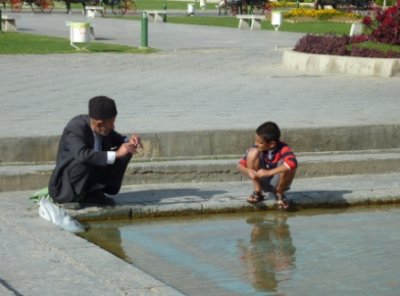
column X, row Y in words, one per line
column 159, row 4
column 22, row 43
column 153, row 5
column 319, row 27
column 379, row 46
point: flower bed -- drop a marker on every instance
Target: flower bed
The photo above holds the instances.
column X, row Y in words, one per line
column 283, row 4
column 342, row 46
column 383, row 28
column 304, row 14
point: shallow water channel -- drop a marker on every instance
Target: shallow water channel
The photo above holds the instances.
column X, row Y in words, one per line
column 352, row 251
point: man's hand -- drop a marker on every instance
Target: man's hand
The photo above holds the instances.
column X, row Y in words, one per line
column 125, row 149
column 136, row 142
column 131, row 147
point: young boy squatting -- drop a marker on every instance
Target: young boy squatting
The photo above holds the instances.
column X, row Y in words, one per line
column 270, row 164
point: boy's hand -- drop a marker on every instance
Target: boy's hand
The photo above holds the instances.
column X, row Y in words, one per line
column 252, row 174
column 263, row 173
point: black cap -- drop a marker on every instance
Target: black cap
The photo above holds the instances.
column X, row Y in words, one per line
column 102, row 107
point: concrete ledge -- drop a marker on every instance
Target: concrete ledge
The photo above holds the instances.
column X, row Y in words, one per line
column 148, row 201
column 358, row 66
column 34, row 177
column 178, row 145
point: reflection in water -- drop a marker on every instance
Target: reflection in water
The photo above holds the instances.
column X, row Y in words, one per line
column 269, row 256
column 106, row 236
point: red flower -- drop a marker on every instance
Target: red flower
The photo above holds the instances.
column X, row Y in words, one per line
column 367, row 21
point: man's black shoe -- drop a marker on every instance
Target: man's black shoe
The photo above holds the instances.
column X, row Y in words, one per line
column 98, row 197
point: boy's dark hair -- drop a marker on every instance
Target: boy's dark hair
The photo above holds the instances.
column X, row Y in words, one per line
column 269, row 131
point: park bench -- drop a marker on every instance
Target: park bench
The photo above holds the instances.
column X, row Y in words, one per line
column 156, row 15
column 251, row 21
column 90, row 11
column 8, row 24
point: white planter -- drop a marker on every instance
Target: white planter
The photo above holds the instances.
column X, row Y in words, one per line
column 190, row 9
column 79, row 32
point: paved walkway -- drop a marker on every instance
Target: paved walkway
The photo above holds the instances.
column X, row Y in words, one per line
column 37, row 259
column 203, row 78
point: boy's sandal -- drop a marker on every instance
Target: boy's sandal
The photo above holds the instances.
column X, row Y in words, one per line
column 283, row 203
column 255, row 197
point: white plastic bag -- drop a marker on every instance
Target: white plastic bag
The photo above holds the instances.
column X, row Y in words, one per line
column 56, row 215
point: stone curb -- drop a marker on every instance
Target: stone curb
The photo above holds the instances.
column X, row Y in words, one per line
column 147, row 201
column 189, row 144
column 34, row 177
column 360, row 66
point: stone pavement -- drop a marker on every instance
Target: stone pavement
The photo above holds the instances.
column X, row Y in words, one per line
column 222, row 197
column 40, row 259
column 203, row 78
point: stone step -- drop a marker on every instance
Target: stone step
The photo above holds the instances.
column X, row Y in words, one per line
column 217, row 143
column 23, row 176
column 178, row 199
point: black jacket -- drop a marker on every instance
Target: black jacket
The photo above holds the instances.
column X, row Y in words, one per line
column 76, row 146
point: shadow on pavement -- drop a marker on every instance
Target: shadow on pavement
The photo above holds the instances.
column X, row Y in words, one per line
column 174, row 195
column 319, row 198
